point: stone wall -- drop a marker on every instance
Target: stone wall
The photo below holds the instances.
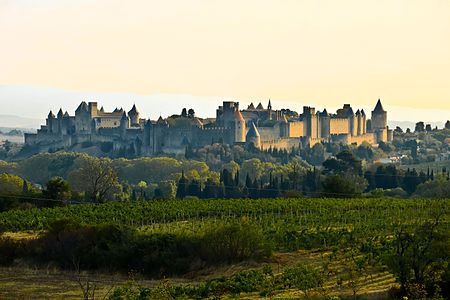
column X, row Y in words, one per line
column 339, row 126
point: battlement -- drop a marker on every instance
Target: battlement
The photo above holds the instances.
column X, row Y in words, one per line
column 216, row 128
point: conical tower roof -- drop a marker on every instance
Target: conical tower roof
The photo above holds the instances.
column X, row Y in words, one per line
column 161, row 121
column 358, row 112
column 350, row 112
column 251, row 106
column 253, row 131
column 259, row 106
column 51, row 115
column 362, row 112
column 60, row 113
column 378, row 107
column 82, row 106
column 124, row 116
column 324, row 113
column 133, row 110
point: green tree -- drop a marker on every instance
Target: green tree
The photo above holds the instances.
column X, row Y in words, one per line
column 96, row 177
column 414, row 257
column 343, row 186
column 253, row 167
column 57, row 189
column 437, row 188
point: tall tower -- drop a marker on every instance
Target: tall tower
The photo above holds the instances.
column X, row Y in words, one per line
column 253, row 136
column 358, row 123
column 379, row 117
column 239, row 127
column 124, row 124
column 50, row 121
column 363, row 122
column 324, row 122
column 82, row 119
column 134, row 116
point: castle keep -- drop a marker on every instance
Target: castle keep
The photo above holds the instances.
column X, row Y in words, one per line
column 259, row 126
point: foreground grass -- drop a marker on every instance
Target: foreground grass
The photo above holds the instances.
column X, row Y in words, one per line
column 20, row 282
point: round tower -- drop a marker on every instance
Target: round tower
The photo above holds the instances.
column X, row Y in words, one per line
column 324, row 121
column 358, row 122
column 124, row 123
column 379, row 117
column 239, row 127
column 253, row 136
column 352, row 121
column 134, row 116
column 50, row 121
column 284, row 126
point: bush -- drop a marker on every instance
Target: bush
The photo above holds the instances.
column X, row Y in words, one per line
column 71, row 245
column 303, row 277
column 235, row 242
column 9, row 250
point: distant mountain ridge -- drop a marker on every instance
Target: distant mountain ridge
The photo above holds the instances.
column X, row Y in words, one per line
column 17, row 122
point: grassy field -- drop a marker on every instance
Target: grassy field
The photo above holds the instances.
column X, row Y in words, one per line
column 315, row 232
column 50, row 283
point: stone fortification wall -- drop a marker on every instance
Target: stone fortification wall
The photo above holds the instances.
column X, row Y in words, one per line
column 339, row 126
column 368, row 137
column 269, row 133
column 296, row 129
column 108, row 122
column 216, row 134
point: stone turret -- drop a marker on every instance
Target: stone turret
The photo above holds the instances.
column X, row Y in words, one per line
column 82, row 119
column 81, row 108
column 309, row 118
column 379, row 117
column 363, row 122
column 253, row 136
column 50, row 121
column 59, row 122
column 358, row 122
column 352, row 123
column 134, row 116
column 124, row 124
column 162, row 122
column 324, row 124
column 284, row 126
column 239, row 127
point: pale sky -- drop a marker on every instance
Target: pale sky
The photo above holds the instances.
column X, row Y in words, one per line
column 319, row 52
